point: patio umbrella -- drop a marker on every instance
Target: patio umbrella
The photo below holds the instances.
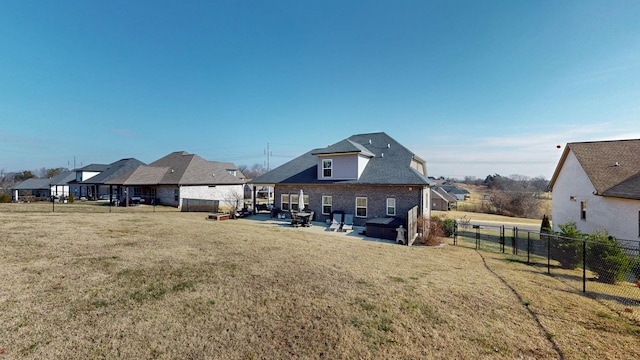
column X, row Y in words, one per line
column 301, row 201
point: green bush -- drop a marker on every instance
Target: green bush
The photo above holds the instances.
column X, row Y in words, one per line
column 606, row 258
column 72, row 198
column 567, row 249
column 5, row 198
column 449, row 227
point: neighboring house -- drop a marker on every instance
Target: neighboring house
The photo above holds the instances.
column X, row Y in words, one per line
column 597, row 185
column 77, row 187
column 459, row 193
column 369, row 175
column 442, row 200
column 179, row 176
column 96, row 185
column 44, row 188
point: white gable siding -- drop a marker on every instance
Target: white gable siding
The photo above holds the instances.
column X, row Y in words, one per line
column 362, row 163
column 345, row 167
column 618, row 216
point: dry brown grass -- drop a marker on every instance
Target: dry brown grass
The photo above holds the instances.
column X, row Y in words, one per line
column 173, row 285
column 477, row 193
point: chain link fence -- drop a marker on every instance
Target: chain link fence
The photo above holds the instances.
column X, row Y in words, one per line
column 603, row 268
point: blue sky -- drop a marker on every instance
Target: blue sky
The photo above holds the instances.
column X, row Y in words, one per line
column 473, row 87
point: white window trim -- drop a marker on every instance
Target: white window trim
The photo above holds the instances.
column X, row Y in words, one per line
column 394, row 207
column 329, row 168
column 366, row 211
column 330, row 204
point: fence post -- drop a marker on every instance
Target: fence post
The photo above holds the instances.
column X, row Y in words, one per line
column 528, row 247
column 514, row 242
column 477, row 236
column 455, row 233
column 584, row 265
column 502, row 239
column 548, row 254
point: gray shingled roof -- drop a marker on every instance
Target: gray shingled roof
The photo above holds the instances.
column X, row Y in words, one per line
column 33, row 184
column 63, row 178
column 613, row 167
column 45, row 184
column 181, row 168
column 389, row 165
column 114, row 170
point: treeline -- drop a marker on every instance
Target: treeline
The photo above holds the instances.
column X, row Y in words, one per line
column 515, row 195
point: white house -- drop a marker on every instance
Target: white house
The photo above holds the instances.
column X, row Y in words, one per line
column 597, row 185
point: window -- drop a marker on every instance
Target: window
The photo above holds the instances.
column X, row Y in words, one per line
column 327, row 168
column 583, row 210
column 391, row 206
column 284, row 202
column 326, row 205
column 294, row 202
column 361, row 207
column 176, row 194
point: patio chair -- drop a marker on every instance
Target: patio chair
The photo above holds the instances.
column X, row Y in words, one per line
column 295, row 221
column 336, row 222
column 348, row 222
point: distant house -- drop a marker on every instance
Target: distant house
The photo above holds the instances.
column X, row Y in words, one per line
column 177, row 177
column 57, row 186
column 96, row 185
column 597, row 185
column 371, row 176
column 441, row 200
column 80, row 190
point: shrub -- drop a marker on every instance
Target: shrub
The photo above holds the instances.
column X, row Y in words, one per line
column 606, row 259
column 568, row 249
column 5, row 198
column 545, row 227
column 431, row 230
column 449, row 227
column 72, row 198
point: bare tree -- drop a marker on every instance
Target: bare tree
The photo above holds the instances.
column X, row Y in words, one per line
column 254, row 171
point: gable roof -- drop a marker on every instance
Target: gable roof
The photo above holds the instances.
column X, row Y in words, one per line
column 389, row 164
column 613, row 167
column 33, row 184
column 63, row 178
column 181, row 168
column 114, row 170
column 93, row 168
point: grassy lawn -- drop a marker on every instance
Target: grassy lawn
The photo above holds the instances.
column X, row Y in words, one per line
column 144, row 284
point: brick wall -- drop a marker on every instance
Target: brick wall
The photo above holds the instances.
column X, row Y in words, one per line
column 344, row 199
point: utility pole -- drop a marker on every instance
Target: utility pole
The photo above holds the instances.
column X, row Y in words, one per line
column 268, row 153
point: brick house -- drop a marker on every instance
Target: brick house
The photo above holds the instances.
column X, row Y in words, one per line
column 369, row 175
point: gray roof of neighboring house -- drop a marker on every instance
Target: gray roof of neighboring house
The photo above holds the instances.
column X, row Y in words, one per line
column 181, row 168
column 452, row 189
column 390, row 164
column 62, row 178
column 33, row 184
column 443, row 194
column 93, row 168
column 114, row 170
column 613, row 167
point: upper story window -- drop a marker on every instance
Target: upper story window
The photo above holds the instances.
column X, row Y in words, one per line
column 327, row 168
column 391, row 206
column 231, row 172
column 583, row 210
